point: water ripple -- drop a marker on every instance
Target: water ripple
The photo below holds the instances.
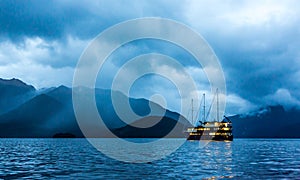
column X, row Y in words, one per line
column 76, row 158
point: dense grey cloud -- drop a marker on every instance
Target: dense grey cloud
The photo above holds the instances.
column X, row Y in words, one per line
column 257, row 43
column 64, row 28
column 53, row 19
column 47, row 19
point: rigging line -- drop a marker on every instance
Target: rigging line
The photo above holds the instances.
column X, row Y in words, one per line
column 188, row 115
column 188, row 119
column 199, row 110
column 209, row 109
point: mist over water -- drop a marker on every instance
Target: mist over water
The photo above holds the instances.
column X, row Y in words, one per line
column 76, row 158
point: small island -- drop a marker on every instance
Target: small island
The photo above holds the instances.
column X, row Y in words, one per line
column 64, row 135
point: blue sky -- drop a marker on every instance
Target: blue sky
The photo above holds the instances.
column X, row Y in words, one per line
column 257, row 43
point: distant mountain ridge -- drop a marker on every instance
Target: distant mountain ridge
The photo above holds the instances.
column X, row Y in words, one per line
column 15, row 82
column 14, row 92
column 50, row 111
column 27, row 112
column 268, row 122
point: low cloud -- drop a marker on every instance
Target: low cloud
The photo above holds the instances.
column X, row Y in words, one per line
column 39, row 76
column 39, row 62
column 283, row 97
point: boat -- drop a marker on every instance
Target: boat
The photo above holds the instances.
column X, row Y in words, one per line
column 211, row 130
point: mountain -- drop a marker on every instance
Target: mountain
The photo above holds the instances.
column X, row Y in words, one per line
column 13, row 93
column 268, row 122
column 27, row 112
column 31, row 118
column 42, row 116
column 158, row 127
column 61, row 93
column 50, row 111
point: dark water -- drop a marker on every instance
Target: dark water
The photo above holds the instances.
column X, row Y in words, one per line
column 76, row 158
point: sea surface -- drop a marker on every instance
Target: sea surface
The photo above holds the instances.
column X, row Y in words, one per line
column 77, row 159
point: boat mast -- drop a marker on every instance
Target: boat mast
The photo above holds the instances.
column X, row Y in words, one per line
column 203, row 107
column 192, row 112
column 217, row 104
